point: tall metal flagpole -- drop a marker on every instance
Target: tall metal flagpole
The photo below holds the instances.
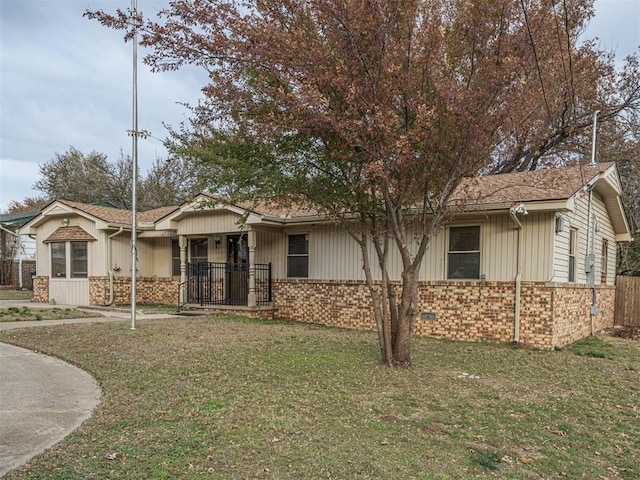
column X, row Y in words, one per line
column 134, row 167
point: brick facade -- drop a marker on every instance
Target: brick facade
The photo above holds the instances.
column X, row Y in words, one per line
column 149, row 290
column 12, row 270
column 551, row 315
column 41, row 289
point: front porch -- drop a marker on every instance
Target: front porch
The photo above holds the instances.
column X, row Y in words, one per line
column 235, row 284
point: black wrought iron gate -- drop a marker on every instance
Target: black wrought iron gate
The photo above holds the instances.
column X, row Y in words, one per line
column 210, row 283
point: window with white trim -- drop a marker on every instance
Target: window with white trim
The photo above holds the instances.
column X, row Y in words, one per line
column 298, row 256
column 573, row 251
column 604, row 261
column 58, row 259
column 463, row 253
column 72, row 257
column 79, row 259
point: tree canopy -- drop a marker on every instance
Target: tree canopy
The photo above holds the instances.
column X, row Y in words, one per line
column 92, row 178
column 375, row 110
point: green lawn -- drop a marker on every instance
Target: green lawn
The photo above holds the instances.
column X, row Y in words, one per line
column 24, row 314
column 25, row 295
column 230, row 398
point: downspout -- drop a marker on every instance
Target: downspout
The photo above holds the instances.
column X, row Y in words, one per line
column 109, row 272
column 520, row 209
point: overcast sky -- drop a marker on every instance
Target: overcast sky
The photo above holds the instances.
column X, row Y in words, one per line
column 66, row 81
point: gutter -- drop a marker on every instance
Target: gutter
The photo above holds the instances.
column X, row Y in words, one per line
column 513, row 211
column 109, row 271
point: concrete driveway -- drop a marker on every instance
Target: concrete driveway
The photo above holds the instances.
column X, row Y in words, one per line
column 43, row 399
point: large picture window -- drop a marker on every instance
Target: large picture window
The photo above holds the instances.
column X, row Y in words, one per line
column 59, row 260
column 463, row 255
column 69, row 257
column 298, row 256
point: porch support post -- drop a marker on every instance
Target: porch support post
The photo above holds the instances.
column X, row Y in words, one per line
column 182, row 243
column 251, row 243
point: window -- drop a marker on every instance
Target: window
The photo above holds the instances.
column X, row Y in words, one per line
column 59, row 260
column 573, row 249
column 298, row 256
column 199, row 250
column 464, row 253
column 604, row 261
column 78, row 259
column 77, row 255
column 175, row 258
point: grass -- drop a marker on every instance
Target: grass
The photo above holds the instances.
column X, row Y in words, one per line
column 26, row 314
column 228, row 398
column 15, row 294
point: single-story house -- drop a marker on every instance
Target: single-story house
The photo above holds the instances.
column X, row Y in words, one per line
column 17, row 252
column 530, row 258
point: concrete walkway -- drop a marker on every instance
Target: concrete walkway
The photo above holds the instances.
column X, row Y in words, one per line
column 43, row 399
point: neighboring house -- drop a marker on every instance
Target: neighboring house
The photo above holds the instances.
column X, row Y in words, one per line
column 512, row 266
column 17, row 252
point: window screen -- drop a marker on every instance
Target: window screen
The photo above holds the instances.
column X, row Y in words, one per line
column 298, row 256
column 464, row 253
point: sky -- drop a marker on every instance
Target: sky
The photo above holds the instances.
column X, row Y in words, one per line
column 67, row 81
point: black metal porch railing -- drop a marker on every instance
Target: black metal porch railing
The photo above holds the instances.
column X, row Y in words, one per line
column 210, row 283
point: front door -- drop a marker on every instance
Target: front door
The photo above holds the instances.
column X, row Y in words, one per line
column 237, row 272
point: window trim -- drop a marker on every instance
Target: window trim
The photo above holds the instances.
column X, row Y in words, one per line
column 68, row 260
column 176, row 242
column 297, row 255
column 573, row 255
column 604, row 261
column 72, row 260
column 63, row 258
column 191, row 246
column 448, row 252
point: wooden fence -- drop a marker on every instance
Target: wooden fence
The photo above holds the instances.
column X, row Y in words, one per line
column 627, row 301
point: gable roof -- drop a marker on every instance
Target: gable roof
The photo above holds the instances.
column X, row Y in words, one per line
column 17, row 219
column 109, row 215
column 533, row 186
column 69, row 233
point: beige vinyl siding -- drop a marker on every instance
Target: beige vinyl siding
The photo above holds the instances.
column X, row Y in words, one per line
column 207, row 223
column 270, row 248
column 579, row 219
column 537, row 255
column 121, row 254
column 94, row 248
column 69, row 291
column 604, row 231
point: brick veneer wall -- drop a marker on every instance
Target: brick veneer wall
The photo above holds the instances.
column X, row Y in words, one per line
column 472, row 311
column 41, row 289
column 149, row 290
column 27, row 266
column 572, row 306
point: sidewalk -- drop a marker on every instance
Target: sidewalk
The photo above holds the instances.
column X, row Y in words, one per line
column 43, row 399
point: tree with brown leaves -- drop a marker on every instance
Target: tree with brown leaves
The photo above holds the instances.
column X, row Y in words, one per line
column 375, row 110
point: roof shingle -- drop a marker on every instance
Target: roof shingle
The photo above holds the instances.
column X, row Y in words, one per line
column 70, row 233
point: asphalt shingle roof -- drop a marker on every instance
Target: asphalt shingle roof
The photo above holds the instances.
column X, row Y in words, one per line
column 537, row 185
column 70, row 233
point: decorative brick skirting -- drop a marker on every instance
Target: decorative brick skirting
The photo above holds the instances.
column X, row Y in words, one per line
column 551, row 315
column 149, row 290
